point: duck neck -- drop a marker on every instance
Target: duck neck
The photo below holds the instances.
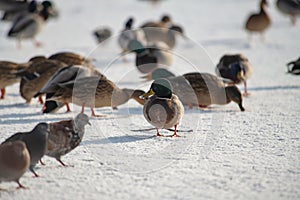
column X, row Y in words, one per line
column 262, row 7
column 44, row 14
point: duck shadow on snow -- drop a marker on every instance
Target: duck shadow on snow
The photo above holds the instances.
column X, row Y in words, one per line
column 20, row 118
column 117, row 139
column 279, row 87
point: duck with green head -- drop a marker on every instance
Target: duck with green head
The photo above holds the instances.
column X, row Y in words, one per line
column 162, row 109
column 151, row 57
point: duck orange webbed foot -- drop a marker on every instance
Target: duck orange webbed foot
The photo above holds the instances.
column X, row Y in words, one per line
column 246, row 94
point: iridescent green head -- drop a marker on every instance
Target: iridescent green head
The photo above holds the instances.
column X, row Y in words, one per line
column 161, row 88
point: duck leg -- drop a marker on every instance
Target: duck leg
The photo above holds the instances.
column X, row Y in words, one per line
column 158, row 134
column 82, row 108
column 175, row 132
column 20, row 185
column 36, row 43
column 2, row 93
column 245, row 89
column 19, row 46
column 249, row 36
column 262, row 37
column 293, row 20
column 41, row 99
column 68, row 107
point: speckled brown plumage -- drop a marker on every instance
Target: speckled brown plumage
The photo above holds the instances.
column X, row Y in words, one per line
column 8, row 74
column 36, row 76
column 70, row 58
column 93, row 92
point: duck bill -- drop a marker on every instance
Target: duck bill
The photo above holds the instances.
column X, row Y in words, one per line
column 241, row 76
column 148, row 94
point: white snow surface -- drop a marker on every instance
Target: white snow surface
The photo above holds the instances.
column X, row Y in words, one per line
column 229, row 155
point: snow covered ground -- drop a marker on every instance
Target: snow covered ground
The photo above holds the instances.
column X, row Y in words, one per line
column 229, row 155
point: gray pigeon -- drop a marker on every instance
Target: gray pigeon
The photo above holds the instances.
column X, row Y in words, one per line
column 36, row 143
column 14, row 161
column 65, row 136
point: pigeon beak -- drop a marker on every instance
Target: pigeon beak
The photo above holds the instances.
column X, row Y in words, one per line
column 148, row 94
column 89, row 124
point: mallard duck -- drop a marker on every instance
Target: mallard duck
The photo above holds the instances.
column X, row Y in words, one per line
column 128, row 34
column 151, row 57
column 157, row 74
column 28, row 27
column 61, row 76
column 259, row 22
column 14, row 161
column 164, row 22
column 75, row 61
column 208, row 89
column 94, row 92
column 236, row 68
column 7, row 5
column 18, row 9
column 162, row 108
column 71, row 58
column 166, row 35
column 36, row 76
column 102, row 34
column 290, row 8
column 295, row 67
column 200, row 89
column 8, row 74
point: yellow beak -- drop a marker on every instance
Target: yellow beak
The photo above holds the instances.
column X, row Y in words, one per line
column 240, row 76
column 148, row 94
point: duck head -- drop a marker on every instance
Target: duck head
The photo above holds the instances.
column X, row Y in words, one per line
column 237, row 71
column 48, row 10
column 161, row 88
column 129, row 23
column 136, row 46
column 263, row 3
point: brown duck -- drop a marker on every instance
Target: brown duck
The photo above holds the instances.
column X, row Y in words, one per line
column 94, row 92
column 259, row 22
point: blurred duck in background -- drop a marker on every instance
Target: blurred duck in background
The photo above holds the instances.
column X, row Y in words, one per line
column 290, row 8
column 236, row 68
column 15, row 9
column 164, row 22
column 258, row 22
column 152, row 56
column 128, row 34
column 101, row 34
column 166, row 35
column 29, row 25
column 295, row 67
